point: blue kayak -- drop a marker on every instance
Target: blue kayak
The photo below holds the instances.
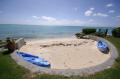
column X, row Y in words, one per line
column 102, row 45
column 34, row 59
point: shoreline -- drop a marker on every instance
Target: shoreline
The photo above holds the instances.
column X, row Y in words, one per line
column 49, row 39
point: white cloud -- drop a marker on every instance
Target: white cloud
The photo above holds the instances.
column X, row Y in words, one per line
column 92, row 8
column 89, row 12
column 68, row 22
column 111, row 11
column 118, row 16
column 75, row 9
column 100, row 14
column 65, row 22
column 91, row 20
column 48, row 18
column 109, row 5
column 36, row 17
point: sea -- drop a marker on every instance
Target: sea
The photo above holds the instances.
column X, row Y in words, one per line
column 29, row 32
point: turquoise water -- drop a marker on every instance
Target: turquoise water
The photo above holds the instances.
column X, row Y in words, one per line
column 40, row 32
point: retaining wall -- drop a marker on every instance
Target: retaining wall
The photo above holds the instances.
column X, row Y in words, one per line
column 70, row 72
column 19, row 43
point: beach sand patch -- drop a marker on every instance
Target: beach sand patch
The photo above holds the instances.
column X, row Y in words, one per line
column 67, row 53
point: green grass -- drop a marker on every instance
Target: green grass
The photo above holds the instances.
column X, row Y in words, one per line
column 10, row 70
column 116, row 42
column 2, row 43
column 8, row 67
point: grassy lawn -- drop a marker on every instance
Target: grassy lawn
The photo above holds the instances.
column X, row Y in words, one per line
column 10, row 70
column 116, row 42
column 2, row 43
column 8, row 67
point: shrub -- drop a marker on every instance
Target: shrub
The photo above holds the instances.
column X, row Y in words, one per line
column 102, row 32
column 89, row 30
column 116, row 32
column 106, row 31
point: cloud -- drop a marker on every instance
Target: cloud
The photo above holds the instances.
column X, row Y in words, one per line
column 45, row 20
column 118, row 16
column 48, row 18
column 91, row 20
column 67, row 22
column 89, row 12
column 75, row 9
column 100, row 14
column 92, row 8
column 111, row 11
column 36, row 17
column 109, row 5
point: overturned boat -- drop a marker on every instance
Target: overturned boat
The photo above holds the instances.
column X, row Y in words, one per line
column 102, row 46
column 34, row 59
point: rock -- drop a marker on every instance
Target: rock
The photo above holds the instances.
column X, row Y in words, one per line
column 79, row 35
column 86, row 37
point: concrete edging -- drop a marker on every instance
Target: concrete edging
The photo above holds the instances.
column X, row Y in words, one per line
column 70, row 72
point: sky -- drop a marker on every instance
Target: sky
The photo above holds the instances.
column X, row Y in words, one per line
column 61, row 12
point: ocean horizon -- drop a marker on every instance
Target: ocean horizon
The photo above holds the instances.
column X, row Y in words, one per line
column 30, row 32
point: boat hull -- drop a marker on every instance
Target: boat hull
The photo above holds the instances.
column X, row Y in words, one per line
column 102, row 46
column 34, row 59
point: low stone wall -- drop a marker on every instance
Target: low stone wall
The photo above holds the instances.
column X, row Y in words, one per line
column 70, row 72
column 19, row 43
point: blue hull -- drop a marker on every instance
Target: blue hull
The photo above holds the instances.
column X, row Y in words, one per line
column 102, row 45
column 34, row 59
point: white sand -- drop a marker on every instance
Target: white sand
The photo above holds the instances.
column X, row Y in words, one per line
column 67, row 53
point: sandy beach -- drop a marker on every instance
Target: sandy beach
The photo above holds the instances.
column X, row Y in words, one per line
column 67, row 53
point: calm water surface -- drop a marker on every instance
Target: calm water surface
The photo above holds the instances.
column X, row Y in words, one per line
column 41, row 32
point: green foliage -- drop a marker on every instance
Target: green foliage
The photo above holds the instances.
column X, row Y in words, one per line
column 102, row 32
column 106, row 31
column 89, row 30
column 116, row 42
column 8, row 67
column 47, row 76
column 118, row 60
column 116, row 32
column 2, row 43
